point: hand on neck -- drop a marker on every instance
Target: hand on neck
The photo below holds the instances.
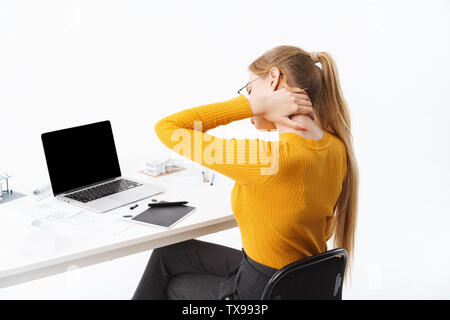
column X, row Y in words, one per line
column 313, row 128
column 305, row 120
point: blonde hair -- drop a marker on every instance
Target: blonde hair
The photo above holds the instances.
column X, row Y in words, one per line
column 298, row 68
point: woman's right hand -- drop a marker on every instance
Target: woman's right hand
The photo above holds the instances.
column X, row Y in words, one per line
column 279, row 105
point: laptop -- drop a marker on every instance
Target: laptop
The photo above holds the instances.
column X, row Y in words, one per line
column 84, row 169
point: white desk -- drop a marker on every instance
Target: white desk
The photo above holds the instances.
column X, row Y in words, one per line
column 213, row 214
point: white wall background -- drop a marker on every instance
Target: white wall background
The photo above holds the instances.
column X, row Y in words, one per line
column 66, row 63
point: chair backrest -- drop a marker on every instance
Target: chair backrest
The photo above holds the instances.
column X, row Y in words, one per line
column 319, row 277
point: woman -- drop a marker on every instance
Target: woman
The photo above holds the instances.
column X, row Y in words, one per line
column 286, row 208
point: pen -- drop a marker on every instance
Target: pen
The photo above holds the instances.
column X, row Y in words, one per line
column 134, row 207
column 203, row 173
column 212, row 178
column 167, row 204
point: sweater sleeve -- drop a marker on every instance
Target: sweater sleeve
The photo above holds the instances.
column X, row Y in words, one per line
column 243, row 160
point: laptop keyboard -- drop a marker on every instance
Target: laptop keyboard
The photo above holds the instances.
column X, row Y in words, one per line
column 103, row 190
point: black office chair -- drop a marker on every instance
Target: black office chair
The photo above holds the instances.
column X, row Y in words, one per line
column 319, row 277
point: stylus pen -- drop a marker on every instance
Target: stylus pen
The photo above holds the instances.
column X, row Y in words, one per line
column 166, row 204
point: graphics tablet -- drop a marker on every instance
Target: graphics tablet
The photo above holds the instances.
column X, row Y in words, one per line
column 163, row 217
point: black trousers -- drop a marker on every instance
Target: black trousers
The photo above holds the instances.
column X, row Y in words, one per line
column 201, row 270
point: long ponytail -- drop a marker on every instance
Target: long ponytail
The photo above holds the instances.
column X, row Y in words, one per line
column 335, row 118
column 299, row 68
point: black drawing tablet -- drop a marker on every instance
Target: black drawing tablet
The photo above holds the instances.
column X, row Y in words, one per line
column 163, row 216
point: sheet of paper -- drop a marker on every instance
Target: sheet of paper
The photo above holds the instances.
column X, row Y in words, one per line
column 62, row 218
column 30, row 208
column 84, row 224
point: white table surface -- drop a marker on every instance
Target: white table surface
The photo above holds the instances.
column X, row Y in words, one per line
column 17, row 265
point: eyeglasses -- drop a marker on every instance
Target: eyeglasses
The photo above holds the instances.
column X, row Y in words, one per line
column 245, row 87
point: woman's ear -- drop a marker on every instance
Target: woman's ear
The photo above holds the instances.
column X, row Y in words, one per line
column 274, row 78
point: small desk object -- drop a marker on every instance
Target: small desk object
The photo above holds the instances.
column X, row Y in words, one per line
column 6, row 194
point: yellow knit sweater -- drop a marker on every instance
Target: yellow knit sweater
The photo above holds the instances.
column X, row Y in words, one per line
column 285, row 191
